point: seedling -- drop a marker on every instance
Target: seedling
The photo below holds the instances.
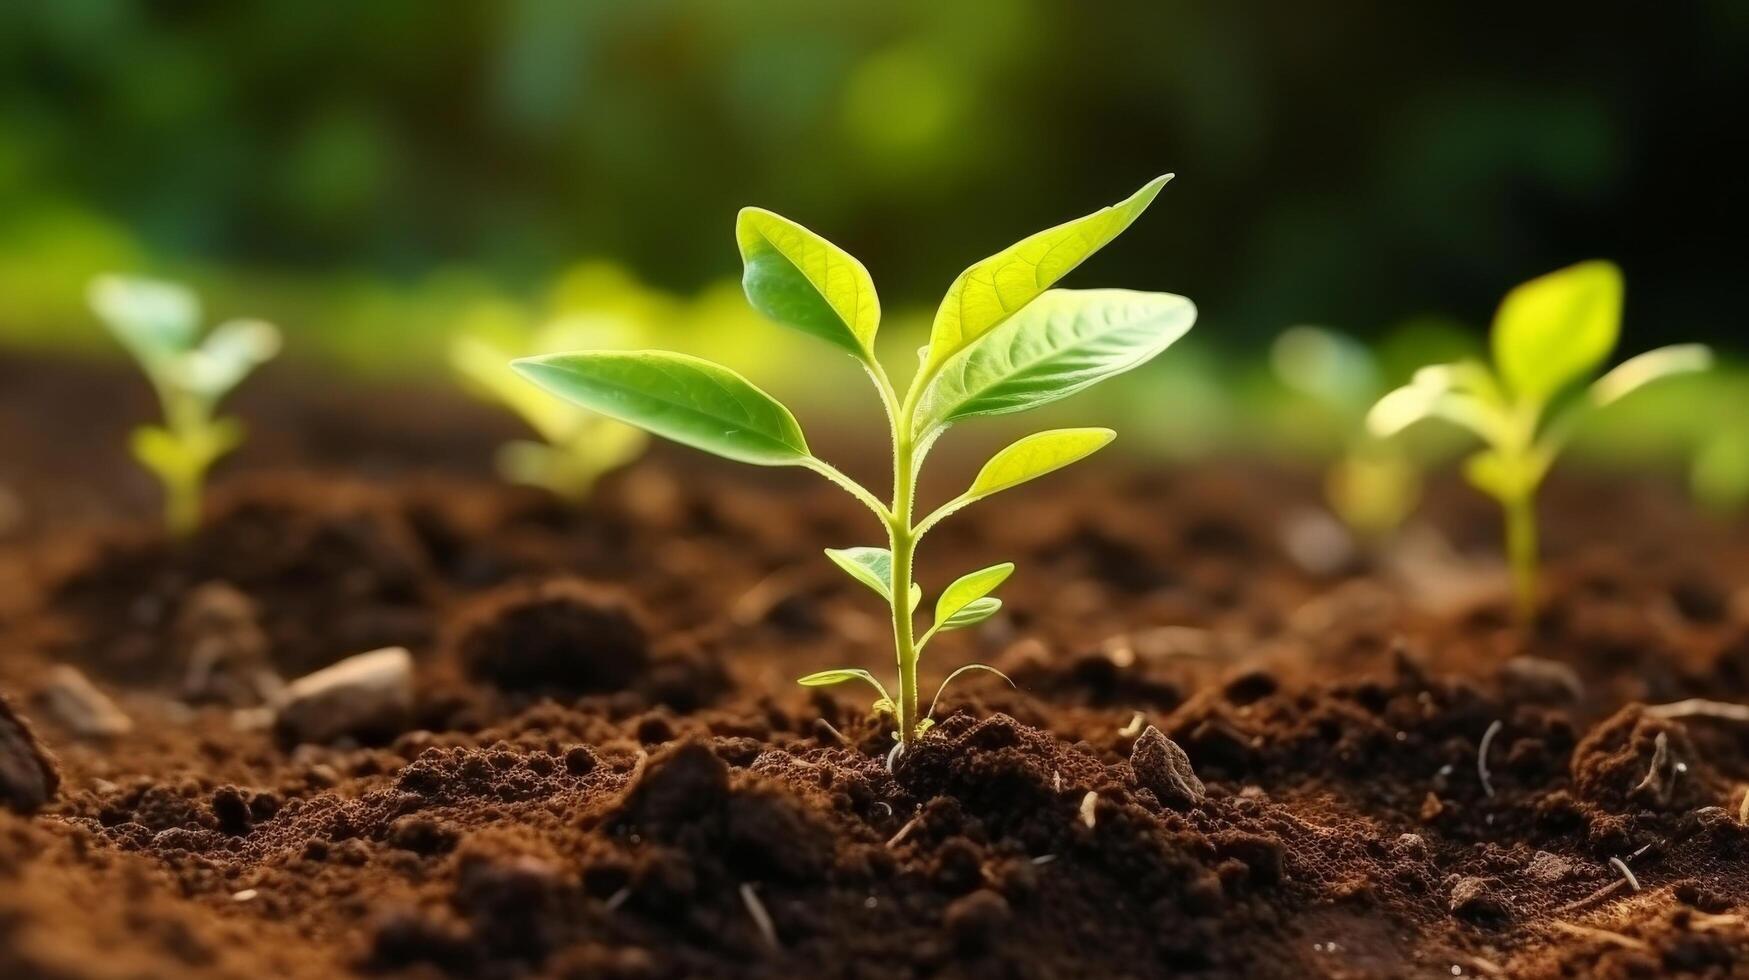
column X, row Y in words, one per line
column 1002, row 341
column 576, row 447
column 159, row 323
column 1549, row 334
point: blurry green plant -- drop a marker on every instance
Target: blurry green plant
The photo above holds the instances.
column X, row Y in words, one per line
column 1549, row 335
column 1002, row 341
column 577, row 446
column 159, row 323
column 1372, row 485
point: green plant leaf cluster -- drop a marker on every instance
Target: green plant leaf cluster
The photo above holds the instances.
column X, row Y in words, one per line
column 1550, row 337
column 159, row 324
column 1002, row 341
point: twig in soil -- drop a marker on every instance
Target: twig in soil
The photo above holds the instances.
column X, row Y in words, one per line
column 893, row 756
column 761, row 918
column 1044, row 859
column 904, row 831
column 1626, row 872
column 885, row 806
column 1660, row 788
column 1700, row 708
column 1057, row 783
column 1089, row 804
column 1589, row 932
column 823, row 723
column 1482, row 756
column 617, row 899
column 1706, row 921
column 1134, row 728
column 246, row 895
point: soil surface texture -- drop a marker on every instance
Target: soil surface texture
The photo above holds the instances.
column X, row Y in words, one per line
column 1241, row 744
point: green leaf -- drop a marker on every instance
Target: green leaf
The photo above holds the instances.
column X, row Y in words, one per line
column 1494, row 475
column 1654, row 365
column 687, row 399
column 872, row 567
column 804, row 281
column 996, row 288
column 972, row 613
column 226, row 357
column 1462, row 393
column 1557, row 328
column 151, row 318
column 1063, row 342
column 970, row 588
column 1035, row 455
column 840, row 675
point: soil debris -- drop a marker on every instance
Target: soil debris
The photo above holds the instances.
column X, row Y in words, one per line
column 368, row 697
column 70, row 697
column 29, row 776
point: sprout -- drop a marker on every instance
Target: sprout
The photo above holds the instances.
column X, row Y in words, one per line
column 159, row 323
column 1549, row 334
column 1002, row 341
column 577, row 447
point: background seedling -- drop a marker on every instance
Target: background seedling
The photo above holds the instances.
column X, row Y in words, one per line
column 1002, row 341
column 159, row 323
column 576, row 447
column 1548, row 336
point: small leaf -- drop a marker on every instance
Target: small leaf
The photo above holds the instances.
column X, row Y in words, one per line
column 1462, row 393
column 1033, row 456
column 972, row 614
column 152, row 318
column 1654, row 365
column 687, row 399
column 969, row 588
column 1557, row 328
column 872, row 567
column 825, row 678
column 996, row 288
column 804, row 281
column 228, row 354
column 1063, row 342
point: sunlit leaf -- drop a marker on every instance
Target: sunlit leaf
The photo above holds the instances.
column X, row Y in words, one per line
column 996, row 288
column 969, row 588
column 804, row 281
column 972, row 613
column 228, row 354
column 1557, row 328
column 1035, row 455
column 687, row 399
column 1063, row 342
column 1637, row 372
column 152, row 318
column 1463, row 394
column 872, row 567
column 840, row 675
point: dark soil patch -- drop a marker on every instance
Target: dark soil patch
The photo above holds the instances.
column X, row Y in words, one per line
column 1219, row 762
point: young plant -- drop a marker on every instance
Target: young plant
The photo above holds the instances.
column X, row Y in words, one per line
column 576, row 447
column 159, row 323
column 1549, row 335
column 1002, row 341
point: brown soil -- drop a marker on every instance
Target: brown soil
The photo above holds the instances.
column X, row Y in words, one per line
column 607, row 771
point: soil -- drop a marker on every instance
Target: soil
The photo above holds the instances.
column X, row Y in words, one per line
column 1241, row 745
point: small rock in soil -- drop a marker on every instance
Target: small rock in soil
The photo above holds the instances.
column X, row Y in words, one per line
column 977, row 919
column 222, row 648
column 1548, row 869
column 563, row 633
column 77, row 703
column 29, row 776
column 367, row 696
column 1479, row 900
column 1540, row 681
column 1161, row 766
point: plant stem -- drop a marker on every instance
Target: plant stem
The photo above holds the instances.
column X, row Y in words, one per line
column 1521, row 553
column 182, row 503
column 904, row 543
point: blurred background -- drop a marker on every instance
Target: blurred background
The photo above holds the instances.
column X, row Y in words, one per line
column 377, row 177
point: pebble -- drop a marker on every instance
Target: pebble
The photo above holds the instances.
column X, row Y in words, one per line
column 77, row 703
column 1162, row 766
column 371, row 693
column 29, row 777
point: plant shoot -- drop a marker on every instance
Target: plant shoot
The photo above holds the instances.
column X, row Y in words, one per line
column 1002, row 341
column 1549, row 335
column 159, row 324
